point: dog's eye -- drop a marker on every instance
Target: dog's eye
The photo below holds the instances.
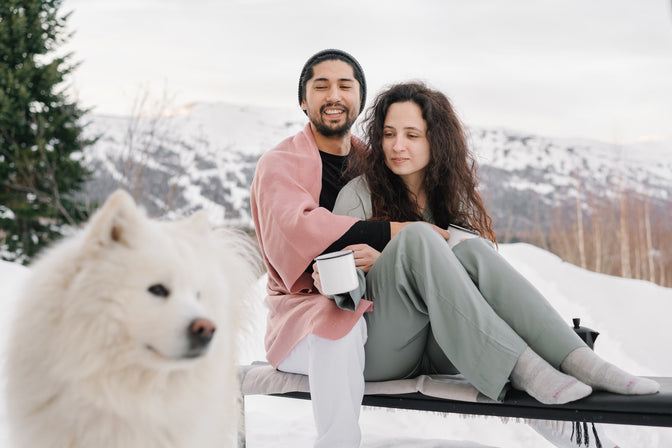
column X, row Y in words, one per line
column 159, row 290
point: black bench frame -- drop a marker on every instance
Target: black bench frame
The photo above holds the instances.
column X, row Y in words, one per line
column 599, row 407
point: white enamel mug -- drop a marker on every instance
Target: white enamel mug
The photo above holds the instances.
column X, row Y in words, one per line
column 338, row 274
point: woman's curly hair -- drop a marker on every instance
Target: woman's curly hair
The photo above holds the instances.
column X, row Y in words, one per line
column 450, row 177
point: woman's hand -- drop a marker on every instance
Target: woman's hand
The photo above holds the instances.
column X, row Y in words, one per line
column 443, row 232
column 365, row 256
column 316, row 278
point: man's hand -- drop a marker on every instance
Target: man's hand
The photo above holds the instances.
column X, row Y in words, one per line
column 365, row 256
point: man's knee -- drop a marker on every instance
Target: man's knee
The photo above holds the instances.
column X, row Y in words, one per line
column 358, row 334
column 354, row 339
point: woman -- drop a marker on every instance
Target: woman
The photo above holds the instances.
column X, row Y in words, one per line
column 444, row 308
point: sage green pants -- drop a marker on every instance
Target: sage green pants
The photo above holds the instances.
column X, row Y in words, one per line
column 442, row 310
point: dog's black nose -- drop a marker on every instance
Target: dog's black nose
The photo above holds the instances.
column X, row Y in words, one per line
column 200, row 333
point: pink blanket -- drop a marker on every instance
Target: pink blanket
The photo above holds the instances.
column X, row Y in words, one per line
column 292, row 230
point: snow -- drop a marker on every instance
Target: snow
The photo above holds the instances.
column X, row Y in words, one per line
column 631, row 316
column 6, row 213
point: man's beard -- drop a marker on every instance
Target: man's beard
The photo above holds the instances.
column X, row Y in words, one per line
column 328, row 131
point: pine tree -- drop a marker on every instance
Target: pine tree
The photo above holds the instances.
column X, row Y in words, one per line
column 41, row 140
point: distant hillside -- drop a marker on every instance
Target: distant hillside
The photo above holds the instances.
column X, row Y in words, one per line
column 204, row 155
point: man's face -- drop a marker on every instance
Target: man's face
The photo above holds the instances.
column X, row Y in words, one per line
column 332, row 98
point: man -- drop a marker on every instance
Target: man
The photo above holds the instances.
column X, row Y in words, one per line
column 293, row 192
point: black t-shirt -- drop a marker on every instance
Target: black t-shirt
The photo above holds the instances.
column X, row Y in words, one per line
column 374, row 233
column 333, row 179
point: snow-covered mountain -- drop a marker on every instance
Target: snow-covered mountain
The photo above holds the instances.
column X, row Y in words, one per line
column 525, row 176
column 200, row 156
column 204, row 155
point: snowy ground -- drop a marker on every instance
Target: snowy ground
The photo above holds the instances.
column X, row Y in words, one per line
column 631, row 316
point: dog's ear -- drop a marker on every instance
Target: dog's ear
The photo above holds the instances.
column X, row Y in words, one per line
column 115, row 221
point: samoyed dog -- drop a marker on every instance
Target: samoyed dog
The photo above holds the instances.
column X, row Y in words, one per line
column 126, row 335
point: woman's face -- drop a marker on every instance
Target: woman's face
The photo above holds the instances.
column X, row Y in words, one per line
column 405, row 143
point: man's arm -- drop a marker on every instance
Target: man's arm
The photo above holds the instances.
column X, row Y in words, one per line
column 291, row 227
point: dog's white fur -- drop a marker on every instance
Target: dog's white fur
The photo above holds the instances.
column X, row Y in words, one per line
column 96, row 358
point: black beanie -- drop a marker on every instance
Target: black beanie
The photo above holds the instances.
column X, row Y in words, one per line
column 329, row 55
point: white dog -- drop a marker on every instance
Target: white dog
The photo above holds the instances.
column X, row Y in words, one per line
column 126, row 334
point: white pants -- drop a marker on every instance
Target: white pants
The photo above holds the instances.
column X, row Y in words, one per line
column 335, row 372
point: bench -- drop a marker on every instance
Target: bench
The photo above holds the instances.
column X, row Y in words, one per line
column 453, row 394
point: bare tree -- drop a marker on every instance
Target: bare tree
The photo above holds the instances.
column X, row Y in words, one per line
column 623, row 230
column 649, row 239
column 149, row 129
column 596, row 226
column 579, row 223
column 146, row 127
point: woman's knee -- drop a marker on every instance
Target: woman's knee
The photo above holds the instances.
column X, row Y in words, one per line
column 471, row 250
column 418, row 232
column 419, row 238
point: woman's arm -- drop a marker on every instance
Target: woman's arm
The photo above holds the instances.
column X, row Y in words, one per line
column 355, row 200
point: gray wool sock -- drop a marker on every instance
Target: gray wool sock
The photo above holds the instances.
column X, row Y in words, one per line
column 538, row 378
column 584, row 364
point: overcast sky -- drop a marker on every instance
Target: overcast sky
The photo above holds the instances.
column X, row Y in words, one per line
column 570, row 68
